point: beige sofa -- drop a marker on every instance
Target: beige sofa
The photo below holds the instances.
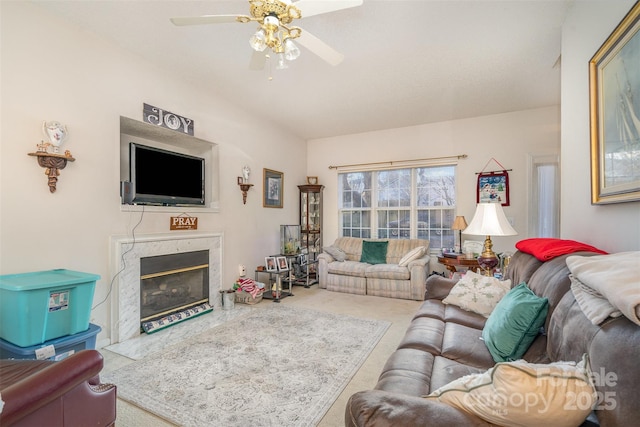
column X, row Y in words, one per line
column 386, row 280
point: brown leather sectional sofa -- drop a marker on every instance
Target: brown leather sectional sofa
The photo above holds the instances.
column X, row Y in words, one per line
column 56, row 394
column 443, row 343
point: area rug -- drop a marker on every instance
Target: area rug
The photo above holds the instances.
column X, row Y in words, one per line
column 275, row 366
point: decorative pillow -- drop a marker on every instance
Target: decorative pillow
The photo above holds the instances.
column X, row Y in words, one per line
column 411, row 255
column 374, row 252
column 547, row 248
column 524, row 394
column 337, row 253
column 514, row 323
column 478, row 293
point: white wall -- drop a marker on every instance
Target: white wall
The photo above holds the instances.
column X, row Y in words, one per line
column 52, row 70
column 509, row 138
column 616, row 227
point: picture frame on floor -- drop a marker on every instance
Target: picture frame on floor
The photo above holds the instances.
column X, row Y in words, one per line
column 614, row 109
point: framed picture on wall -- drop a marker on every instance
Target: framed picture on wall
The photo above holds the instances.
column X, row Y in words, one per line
column 273, row 185
column 614, row 107
column 493, row 187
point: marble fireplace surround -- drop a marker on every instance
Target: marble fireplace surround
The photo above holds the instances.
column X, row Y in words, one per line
column 127, row 251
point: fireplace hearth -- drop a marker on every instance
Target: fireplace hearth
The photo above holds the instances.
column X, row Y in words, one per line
column 126, row 295
column 172, row 283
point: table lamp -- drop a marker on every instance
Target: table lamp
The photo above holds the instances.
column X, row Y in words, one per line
column 459, row 223
column 489, row 220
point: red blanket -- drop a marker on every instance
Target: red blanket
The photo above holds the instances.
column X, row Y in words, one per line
column 547, row 248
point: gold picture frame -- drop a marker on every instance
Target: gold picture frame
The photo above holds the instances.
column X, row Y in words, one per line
column 312, row 180
column 614, row 109
column 272, row 188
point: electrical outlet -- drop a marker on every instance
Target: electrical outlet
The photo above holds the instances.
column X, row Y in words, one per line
column 242, row 271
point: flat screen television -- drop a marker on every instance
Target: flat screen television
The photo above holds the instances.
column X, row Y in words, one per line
column 161, row 177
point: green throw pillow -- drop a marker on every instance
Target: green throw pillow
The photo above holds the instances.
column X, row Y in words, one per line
column 374, row 252
column 514, row 323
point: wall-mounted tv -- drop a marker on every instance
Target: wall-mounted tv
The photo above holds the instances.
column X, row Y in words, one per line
column 161, row 177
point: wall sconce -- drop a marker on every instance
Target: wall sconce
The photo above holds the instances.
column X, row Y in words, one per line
column 52, row 160
column 243, row 182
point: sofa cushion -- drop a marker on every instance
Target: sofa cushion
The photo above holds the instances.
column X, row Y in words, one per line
column 398, row 248
column 478, row 293
column 464, row 344
column 374, row 251
column 387, row 271
column 446, row 370
column 337, row 253
column 455, row 314
column 351, row 246
column 514, row 323
column 347, row 268
column 523, row 394
column 414, row 253
column 424, row 334
column 407, row 371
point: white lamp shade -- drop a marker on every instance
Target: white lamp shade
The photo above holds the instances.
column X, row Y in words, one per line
column 490, row 220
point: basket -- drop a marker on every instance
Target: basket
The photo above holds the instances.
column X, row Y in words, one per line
column 243, row 297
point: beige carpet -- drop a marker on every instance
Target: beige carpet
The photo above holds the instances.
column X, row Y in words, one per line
column 399, row 312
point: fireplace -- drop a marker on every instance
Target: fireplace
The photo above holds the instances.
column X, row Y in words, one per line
column 126, row 295
column 173, row 283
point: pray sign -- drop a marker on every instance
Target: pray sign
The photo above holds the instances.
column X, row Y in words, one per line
column 183, row 223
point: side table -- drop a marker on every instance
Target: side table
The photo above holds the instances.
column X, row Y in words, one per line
column 276, row 277
column 453, row 263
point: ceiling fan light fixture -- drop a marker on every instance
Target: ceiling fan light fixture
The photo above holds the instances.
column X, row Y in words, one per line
column 258, row 41
column 282, row 63
column 275, row 32
column 271, row 21
column 291, row 50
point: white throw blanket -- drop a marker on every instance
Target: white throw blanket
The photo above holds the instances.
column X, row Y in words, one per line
column 607, row 285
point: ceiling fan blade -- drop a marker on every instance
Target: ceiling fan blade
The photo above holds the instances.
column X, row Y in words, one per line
column 258, row 59
column 317, row 7
column 320, row 48
column 205, row 19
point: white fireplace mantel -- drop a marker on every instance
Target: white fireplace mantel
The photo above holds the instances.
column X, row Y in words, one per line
column 125, row 268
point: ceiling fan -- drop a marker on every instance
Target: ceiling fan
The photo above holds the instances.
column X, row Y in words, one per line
column 275, row 32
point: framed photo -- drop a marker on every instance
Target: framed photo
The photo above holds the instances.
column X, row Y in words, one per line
column 312, row 180
column 270, row 262
column 240, row 180
column 614, row 108
column 273, row 185
column 493, row 187
column 283, row 265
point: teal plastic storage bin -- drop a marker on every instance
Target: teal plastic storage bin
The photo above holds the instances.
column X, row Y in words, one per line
column 41, row 306
column 55, row 350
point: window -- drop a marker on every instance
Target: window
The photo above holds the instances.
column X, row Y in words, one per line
column 399, row 204
column 544, row 196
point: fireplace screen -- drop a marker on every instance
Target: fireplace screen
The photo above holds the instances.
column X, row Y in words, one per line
column 171, row 283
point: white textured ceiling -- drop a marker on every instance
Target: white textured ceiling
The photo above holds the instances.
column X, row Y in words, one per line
column 406, row 62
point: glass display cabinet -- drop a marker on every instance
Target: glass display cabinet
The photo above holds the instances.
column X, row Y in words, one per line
column 311, row 219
